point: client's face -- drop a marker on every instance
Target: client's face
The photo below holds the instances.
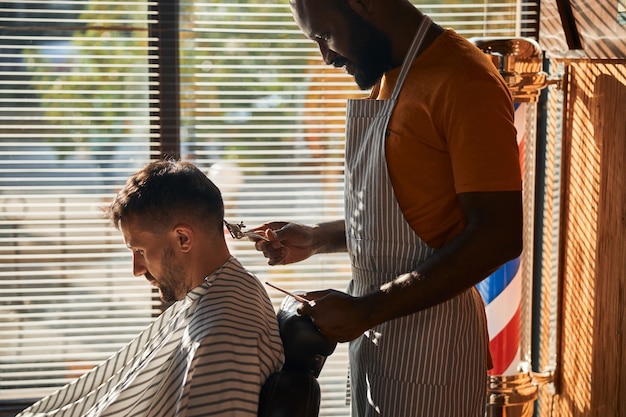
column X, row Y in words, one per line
column 155, row 259
column 172, row 281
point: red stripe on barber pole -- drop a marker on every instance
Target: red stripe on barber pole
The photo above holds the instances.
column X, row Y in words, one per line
column 507, row 345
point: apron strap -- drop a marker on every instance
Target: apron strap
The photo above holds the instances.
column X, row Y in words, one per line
column 418, row 39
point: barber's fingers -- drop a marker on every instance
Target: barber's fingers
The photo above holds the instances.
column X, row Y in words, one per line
column 267, row 245
column 308, row 309
column 270, row 243
column 278, row 257
column 273, row 250
column 265, row 228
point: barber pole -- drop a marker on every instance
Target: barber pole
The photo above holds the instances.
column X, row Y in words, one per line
column 511, row 388
column 502, row 293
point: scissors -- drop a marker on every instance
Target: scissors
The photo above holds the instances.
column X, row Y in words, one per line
column 236, row 232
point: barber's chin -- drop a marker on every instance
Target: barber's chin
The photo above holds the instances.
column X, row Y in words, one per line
column 364, row 84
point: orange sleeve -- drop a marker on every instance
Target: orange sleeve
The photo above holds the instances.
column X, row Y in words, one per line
column 481, row 135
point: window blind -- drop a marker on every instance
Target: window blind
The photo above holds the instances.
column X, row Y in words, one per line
column 259, row 112
column 75, row 119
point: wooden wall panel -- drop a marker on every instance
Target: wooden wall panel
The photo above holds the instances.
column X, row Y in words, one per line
column 591, row 375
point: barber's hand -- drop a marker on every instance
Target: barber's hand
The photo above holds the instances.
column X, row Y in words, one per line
column 339, row 316
column 287, row 242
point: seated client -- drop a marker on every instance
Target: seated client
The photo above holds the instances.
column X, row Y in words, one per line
column 210, row 353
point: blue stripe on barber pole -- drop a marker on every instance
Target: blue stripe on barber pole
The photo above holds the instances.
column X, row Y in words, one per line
column 502, row 293
column 498, row 281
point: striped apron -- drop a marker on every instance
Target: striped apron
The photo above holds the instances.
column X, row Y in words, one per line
column 429, row 364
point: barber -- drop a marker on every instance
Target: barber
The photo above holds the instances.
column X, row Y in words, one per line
column 432, row 207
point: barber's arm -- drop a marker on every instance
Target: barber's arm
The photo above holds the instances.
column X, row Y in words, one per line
column 293, row 242
column 493, row 236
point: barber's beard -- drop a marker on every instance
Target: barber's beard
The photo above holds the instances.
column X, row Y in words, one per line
column 367, row 76
column 172, row 283
column 372, row 52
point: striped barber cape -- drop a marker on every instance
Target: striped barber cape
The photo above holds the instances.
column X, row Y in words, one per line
column 207, row 355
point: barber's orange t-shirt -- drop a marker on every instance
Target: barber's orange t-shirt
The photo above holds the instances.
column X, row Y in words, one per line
column 451, row 132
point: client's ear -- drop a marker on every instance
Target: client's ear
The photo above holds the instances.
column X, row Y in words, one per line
column 184, row 237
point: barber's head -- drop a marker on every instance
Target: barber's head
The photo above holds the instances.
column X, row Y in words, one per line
column 165, row 211
column 347, row 37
